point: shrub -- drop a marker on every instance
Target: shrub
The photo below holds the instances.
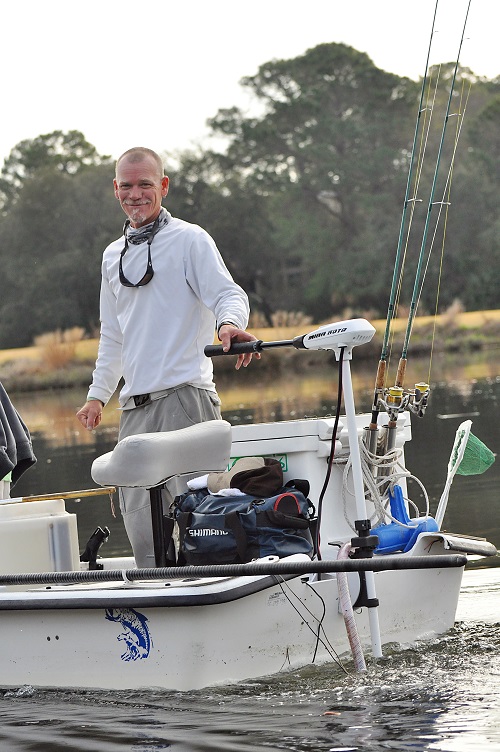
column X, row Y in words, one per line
column 58, row 348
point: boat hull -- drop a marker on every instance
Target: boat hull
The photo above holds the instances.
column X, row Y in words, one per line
column 186, row 636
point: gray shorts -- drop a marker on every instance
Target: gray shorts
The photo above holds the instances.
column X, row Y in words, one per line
column 181, row 408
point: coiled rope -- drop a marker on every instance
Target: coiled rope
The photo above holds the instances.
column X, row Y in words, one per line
column 393, row 471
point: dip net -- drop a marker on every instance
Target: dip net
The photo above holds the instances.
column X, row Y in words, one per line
column 476, row 456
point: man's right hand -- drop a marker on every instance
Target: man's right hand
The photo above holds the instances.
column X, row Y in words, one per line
column 90, row 414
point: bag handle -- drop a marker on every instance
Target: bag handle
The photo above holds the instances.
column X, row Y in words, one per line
column 279, row 519
column 233, row 522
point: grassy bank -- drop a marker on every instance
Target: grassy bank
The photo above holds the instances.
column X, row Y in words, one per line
column 49, row 366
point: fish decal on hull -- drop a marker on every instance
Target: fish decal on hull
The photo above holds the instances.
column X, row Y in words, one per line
column 135, row 633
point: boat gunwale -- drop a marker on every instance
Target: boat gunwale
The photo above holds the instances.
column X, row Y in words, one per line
column 135, row 595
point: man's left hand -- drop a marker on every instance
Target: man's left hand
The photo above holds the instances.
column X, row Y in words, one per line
column 228, row 334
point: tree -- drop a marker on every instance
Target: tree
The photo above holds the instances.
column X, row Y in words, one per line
column 330, row 155
column 51, row 243
column 237, row 219
column 329, row 151
column 64, row 152
column 484, row 136
column 468, row 185
column 305, row 203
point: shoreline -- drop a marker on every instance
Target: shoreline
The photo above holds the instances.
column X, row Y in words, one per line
column 30, row 368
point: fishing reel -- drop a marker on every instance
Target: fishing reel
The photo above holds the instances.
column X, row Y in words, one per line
column 419, row 399
column 397, row 400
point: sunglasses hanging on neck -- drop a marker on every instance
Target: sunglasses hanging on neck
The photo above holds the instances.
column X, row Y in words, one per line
column 149, row 274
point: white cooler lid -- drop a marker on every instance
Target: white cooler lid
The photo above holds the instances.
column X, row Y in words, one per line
column 14, row 509
column 320, row 427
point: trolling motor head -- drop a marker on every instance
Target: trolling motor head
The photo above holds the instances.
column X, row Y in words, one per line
column 335, row 336
column 342, row 334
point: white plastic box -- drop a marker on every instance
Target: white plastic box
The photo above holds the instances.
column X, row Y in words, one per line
column 37, row 536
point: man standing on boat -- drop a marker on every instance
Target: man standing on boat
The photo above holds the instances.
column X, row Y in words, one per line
column 164, row 290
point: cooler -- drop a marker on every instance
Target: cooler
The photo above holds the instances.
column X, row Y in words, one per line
column 303, row 448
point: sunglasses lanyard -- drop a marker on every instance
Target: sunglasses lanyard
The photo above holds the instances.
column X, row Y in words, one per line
column 149, row 273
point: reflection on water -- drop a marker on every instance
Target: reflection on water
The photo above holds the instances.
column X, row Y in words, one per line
column 461, row 388
column 266, row 395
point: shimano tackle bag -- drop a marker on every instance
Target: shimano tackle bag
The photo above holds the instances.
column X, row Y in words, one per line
column 218, row 529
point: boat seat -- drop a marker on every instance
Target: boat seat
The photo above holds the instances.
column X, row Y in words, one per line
column 147, row 460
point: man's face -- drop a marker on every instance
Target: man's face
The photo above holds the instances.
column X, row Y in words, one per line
column 140, row 188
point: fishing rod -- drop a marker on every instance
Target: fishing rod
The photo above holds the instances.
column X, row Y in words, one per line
column 341, row 337
column 380, row 379
column 446, row 192
column 414, row 298
column 417, row 400
column 381, row 370
column 84, row 493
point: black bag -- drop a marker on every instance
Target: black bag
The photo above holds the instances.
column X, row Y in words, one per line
column 231, row 530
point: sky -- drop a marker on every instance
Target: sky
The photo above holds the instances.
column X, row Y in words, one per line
column 128, row 73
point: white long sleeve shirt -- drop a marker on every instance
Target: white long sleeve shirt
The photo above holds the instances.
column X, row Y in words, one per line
column 154, row 335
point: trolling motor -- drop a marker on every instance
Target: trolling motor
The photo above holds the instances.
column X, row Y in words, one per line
column 341, row 337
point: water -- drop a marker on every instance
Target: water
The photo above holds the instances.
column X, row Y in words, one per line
column 437, row 695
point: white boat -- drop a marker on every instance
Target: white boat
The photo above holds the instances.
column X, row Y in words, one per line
column 67, row 624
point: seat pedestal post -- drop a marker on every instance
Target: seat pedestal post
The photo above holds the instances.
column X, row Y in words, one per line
column 158, row 524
